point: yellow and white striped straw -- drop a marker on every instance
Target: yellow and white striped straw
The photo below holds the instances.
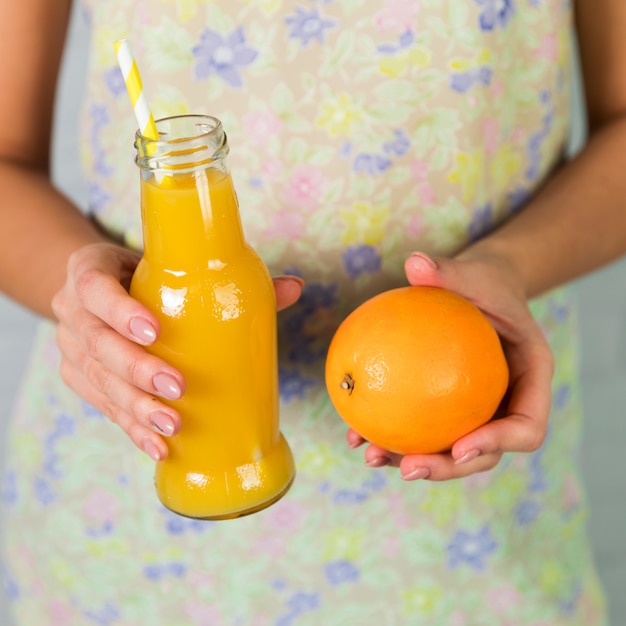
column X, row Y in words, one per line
column 134, row 86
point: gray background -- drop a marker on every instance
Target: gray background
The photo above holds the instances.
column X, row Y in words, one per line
column 603, row 312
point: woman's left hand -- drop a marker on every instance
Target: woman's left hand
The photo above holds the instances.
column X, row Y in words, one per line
column 493, row 287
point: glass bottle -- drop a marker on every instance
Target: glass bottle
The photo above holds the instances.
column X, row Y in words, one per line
column 215, row 302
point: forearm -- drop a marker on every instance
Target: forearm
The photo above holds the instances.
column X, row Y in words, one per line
column 40, row 230
column 575, row 224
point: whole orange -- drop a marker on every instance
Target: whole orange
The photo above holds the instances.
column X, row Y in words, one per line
column 414, row 369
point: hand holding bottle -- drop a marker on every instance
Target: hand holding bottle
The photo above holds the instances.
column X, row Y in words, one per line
column 100, row 334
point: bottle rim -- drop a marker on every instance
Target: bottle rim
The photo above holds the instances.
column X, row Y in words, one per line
column 185, row 143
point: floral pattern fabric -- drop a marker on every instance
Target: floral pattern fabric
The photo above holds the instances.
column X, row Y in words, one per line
column 360, row 130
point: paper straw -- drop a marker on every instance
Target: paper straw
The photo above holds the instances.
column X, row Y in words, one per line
column 134, row 86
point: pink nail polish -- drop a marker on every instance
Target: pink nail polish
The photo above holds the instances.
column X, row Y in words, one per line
column 162, row 423
column 167, row 386
column 379, row 461
column 151, row 450
column 470, row 455
column 142, row 330
column 423, row 261
column 417, row 474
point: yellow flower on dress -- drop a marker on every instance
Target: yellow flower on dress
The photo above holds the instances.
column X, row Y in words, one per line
column 364, row 224
column 318, row 460
column 339, row 114
column 398, row 64
column 468, row 172
column 186, row 8
column 422, row 600
column 441, row 503
column 343, row 543
column 267, row 6
column 552, row 577
column 505, row 165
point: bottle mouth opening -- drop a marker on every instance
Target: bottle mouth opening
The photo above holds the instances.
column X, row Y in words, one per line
column 185, row 142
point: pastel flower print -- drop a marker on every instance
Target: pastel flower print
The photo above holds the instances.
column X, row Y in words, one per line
column 471, row 548
column 491, row 133
column 502, row 599
column 339, row 114
column 287, row 516
column 286, row 224
column 342, row 571
column 361, row 260
column 305, row 188
column 495, row 13
column 397, row 15
column 261, row 126
column 415, row 227
column 272, row 168
column 223, row 56
column 364, row 223
column 308, row 25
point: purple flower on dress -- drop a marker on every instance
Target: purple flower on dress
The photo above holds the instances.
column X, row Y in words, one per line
column 43, row 491
column 159, row 571
column 9, row 487
column 495, row 13
column 338, row 572
column 223, row 56
column 561, row 396
column 400, row 144
column 405, row 40
column 114, row 80
column 98, row 198
column 293, row 385
column 518, row 199
column 361, row 259
column 464, row 81
column 105, row 616
column 371, row 163
column 10, row 586
column 527, row 512
column 307, row 25
column 471, row 548
column 347, row 497
column 309, row 327
column 482, row 222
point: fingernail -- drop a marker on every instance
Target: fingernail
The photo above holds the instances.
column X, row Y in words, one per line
column 467, row 457
column 142, row 330
column 423, row 261
column 167, row 386
column 162, row 422
column 417, row 473
column 295, row 278
column 151, row 450
column 379, row 461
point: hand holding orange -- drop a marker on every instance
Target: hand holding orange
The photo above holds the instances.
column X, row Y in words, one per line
column 416, row 368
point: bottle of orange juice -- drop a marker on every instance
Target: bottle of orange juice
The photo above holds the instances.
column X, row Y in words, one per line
column 215, row 301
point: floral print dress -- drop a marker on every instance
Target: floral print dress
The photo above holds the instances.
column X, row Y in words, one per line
column 360, row 130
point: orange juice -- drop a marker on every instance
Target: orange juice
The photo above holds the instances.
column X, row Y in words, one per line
column 215, row 301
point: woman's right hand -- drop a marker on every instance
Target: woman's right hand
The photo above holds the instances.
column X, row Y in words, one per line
column 101, row 333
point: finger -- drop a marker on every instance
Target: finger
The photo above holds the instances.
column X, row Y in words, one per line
column 354, row 439
column 100, row 291
column 440, row 467
column 144, row 407
column 288, row 290
column 142, row 435
column 375, row 456
column 110, row 353
column 524, row 427
column 422, row 269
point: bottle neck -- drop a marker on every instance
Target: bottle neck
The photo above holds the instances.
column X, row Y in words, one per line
column 189, row 209
column 190, row 220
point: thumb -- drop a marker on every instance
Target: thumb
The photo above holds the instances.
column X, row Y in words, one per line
column 423, row 270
